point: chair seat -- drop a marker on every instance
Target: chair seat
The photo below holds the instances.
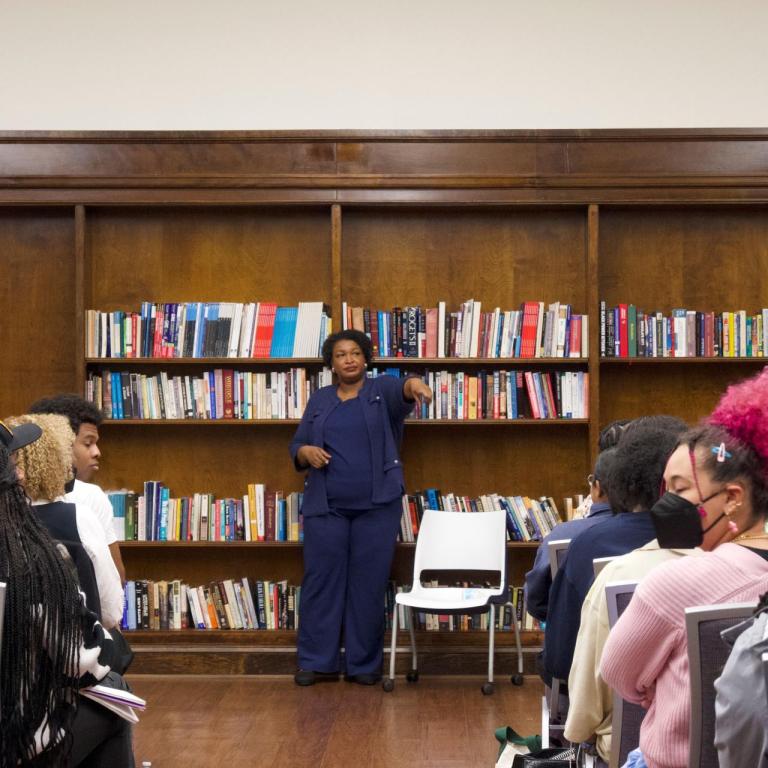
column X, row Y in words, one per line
column 446, row 598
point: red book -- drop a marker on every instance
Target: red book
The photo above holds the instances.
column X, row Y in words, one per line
column 270, row 511
column 552, row 403
column 574, row 341
column 375, row 332
column 531, row 389
column 414, row 516
column 157, row 343
column 528, row 335
column 134, row 324
column 623, row 331
column 432, row 332
column 264, row 329
column 229, row 393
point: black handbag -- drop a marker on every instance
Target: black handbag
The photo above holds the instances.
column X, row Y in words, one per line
column 548, row 758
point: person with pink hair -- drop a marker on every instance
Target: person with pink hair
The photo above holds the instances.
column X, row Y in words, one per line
column 716, row 499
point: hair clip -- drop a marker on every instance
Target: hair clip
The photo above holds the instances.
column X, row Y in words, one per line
column 721, row 453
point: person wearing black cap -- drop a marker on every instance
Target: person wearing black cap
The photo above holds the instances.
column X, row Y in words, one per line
column 18, row 437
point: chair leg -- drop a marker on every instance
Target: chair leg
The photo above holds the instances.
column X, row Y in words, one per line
column 412, row 631
column 388, row 684
column 488, row 687
column 518, row 678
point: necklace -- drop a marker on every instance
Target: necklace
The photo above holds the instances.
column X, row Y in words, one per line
column 751, row 536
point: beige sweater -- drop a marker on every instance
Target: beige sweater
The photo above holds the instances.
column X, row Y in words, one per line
column 591, row 700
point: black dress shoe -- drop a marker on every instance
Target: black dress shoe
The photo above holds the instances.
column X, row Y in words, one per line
column 363, row 679
column 308, row 677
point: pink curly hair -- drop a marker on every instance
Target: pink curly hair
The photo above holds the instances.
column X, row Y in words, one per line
column 743, row 413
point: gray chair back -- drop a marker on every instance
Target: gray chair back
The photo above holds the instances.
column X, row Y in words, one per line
column 627, row 716
column 557, row 550
column 707, row 654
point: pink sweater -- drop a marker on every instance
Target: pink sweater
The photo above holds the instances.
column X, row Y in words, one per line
column 645, row 657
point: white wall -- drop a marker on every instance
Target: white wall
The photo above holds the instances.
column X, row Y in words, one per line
column 288, row 64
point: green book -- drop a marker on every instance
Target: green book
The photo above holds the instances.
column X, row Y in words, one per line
column 632, row 329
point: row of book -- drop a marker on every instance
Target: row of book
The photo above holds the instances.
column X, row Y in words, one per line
column 208, row 329
column 229, row 394
column 433, row 332
column 269, row 605
column 226, row 604
column 506, row 394
column 527, row 519
column 261, row 514
column 626, row 331
column 217, row 394
column 435, row 622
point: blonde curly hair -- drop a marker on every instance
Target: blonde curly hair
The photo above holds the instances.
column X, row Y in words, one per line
column 46, row 463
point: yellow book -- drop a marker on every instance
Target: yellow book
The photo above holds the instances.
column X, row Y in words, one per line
column 472, row 406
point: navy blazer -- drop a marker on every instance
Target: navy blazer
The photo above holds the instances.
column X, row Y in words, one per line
column 384, row 410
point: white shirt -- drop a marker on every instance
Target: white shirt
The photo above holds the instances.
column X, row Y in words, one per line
column 91, row 496
column 107, row 578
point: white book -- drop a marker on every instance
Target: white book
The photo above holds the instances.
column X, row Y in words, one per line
column 343, row 315
column 260, row 526
column 235, row 330
column 441, row 329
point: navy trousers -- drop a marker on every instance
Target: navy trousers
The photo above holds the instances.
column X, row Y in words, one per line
column 347, row 559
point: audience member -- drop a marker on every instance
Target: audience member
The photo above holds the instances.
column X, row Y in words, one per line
column 633, row 487
column 85, row 419
column 717, row 499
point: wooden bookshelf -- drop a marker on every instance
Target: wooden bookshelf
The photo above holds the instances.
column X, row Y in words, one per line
column 661, row 219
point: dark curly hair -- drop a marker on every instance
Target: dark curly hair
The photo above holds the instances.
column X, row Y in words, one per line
column 602, row 470
column 360, row 338
column 634, row 479
column 611, row 434
column 75, row 408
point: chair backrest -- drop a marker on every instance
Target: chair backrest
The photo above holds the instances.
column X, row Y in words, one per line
column 707, row 654
column 627, row 716
column 462, row 541
column 599, row 563
column 557, row 550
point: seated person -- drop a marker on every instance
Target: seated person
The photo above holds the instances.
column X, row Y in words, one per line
column 44, row 468
column 51, row 645
column 84, row 420
column 633, row 483
column 717, row 499
column 591, row 700
column 539, row 579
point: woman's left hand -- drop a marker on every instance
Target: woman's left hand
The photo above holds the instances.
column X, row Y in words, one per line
column 416, row 389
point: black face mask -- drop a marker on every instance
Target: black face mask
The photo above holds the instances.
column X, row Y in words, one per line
column 678, row 521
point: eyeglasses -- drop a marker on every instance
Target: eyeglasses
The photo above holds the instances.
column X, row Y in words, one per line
column 590, row 481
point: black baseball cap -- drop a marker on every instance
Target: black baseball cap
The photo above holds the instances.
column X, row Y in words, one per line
column 19, row 436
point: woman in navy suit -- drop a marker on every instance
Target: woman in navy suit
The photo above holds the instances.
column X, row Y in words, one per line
column 348, row 440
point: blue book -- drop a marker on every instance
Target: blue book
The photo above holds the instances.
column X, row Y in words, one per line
column 278, row 333
column 514, row 531
column 146, row 313
column 281, row 521
column 432, row 498
column 291, row 319
column 165, row 496
column 212, row 392
column 130, row 598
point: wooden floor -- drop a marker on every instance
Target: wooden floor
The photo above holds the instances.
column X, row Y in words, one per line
column 440, row 722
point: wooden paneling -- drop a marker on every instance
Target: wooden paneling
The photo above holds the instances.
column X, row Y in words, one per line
column 502, row 256
column 37, row 290
column 687, row 391
column 533, row 461
column 205, row 458
column 702, row 258
column 212, row 254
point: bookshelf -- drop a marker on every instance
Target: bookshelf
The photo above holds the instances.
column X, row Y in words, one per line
column 661, row 219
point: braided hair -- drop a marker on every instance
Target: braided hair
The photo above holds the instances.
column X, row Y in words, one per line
column 41, row 634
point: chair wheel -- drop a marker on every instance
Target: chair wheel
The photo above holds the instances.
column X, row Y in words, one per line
column 487, row 689
column 388, row 684
column 412, row 676
column 517, row 679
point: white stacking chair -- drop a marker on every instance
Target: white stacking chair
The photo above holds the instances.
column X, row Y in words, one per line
column 557, row 549
column 627, row 717
column 707, row 654
column 454, row 541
